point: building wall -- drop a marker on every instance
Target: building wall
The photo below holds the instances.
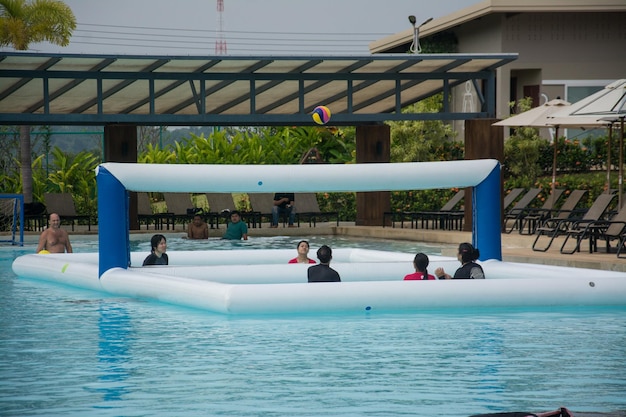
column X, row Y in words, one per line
column 555, row 50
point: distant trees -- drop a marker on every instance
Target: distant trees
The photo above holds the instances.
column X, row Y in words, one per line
column 24, row 22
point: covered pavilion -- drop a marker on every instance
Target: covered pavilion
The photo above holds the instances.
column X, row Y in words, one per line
column 121, row 92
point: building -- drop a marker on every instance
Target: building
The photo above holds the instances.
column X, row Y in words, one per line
column 567, row 48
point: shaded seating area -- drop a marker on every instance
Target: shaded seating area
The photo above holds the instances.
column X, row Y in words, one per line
column 553, row 227
column 63, row 205
column 515, row 214
column 307, row 208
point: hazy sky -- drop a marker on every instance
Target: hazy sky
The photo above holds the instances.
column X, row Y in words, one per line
column 249, row 27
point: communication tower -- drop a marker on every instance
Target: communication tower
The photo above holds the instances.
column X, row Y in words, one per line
column 220, row 43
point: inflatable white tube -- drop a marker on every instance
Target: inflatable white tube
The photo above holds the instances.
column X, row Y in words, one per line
column 63, row 269
column 390, row 296
column 301, row 178
column 277, row 288
column 272, row 256
column 205, row 295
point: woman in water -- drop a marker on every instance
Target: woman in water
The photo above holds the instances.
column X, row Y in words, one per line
column 469, row 268
column 420, row 263
column 303, row 252
column 157, row 254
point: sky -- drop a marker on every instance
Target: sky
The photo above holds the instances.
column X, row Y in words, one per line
column 249, row 27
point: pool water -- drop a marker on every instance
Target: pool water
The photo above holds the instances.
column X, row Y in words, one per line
column 71, row 352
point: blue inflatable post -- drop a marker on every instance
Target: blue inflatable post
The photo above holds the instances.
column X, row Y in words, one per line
column 113, row 238
column 486, row 217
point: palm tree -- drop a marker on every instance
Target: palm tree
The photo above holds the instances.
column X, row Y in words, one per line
column 23, row 22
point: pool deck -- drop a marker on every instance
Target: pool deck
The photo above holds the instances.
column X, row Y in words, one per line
column 515, row 247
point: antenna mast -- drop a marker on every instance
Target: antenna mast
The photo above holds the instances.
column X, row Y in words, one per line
column 220, row 43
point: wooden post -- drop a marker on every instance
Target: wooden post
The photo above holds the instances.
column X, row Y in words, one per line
column 482, row 141
column 373, row 145
column 120, row 145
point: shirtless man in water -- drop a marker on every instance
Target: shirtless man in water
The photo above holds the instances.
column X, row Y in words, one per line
column 54, row 239
column 198, row 229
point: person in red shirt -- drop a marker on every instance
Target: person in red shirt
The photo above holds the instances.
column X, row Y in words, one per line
column 303, row 254
column 420, row 263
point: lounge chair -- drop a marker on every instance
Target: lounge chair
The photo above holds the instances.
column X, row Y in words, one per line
column 510, row 197
column 557, row 227
column 261, row 204
column 146, row 214
column 218, row 202
column 307, row 207
column 63, row 205
column 567, row 210
column 616, row 230
column 515, row 214
column 177, row 205
column 607, row 230
column 447, row 218
column 532, row 216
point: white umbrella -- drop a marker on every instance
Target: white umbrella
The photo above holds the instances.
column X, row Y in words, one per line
column 539, row 117
column 606, row 106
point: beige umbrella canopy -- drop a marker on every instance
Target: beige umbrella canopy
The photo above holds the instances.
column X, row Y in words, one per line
column 539, row 117
column 603, row 108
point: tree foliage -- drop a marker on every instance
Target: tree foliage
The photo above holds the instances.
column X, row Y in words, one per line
column 422, row 140
column 24, row 22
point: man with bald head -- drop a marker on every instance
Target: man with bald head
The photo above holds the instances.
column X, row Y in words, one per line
column 54, row 239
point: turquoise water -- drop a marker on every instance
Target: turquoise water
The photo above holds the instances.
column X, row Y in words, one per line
column 71, row 352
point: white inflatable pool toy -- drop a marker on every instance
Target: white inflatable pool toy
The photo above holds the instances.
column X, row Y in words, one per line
column 372, row 281
column 260, row 282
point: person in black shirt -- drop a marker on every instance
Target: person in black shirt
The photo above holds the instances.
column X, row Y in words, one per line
column 469, row 268
column 323, row 272
column 157, row 255
column 283, row 205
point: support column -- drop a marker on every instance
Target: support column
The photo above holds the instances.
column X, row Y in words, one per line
column 120, row 145
column 482, row 141
column 373, row 145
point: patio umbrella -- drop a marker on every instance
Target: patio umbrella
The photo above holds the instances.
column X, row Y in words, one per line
column 607, row 107
column 539, row 117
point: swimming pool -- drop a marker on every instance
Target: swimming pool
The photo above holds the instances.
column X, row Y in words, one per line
column 73, row 352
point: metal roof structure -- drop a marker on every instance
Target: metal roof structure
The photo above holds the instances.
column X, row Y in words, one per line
column 76, row 89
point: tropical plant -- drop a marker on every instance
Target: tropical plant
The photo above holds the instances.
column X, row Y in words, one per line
column 75, row 174
column 415, row 141
column 24, row 22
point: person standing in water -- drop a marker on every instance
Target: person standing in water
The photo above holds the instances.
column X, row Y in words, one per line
column 54, row 239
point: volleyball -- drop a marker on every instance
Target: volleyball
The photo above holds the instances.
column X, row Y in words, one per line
column 43, row 252
column 321, row 115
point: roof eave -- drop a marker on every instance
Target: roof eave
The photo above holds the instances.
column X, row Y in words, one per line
column 494, row 6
